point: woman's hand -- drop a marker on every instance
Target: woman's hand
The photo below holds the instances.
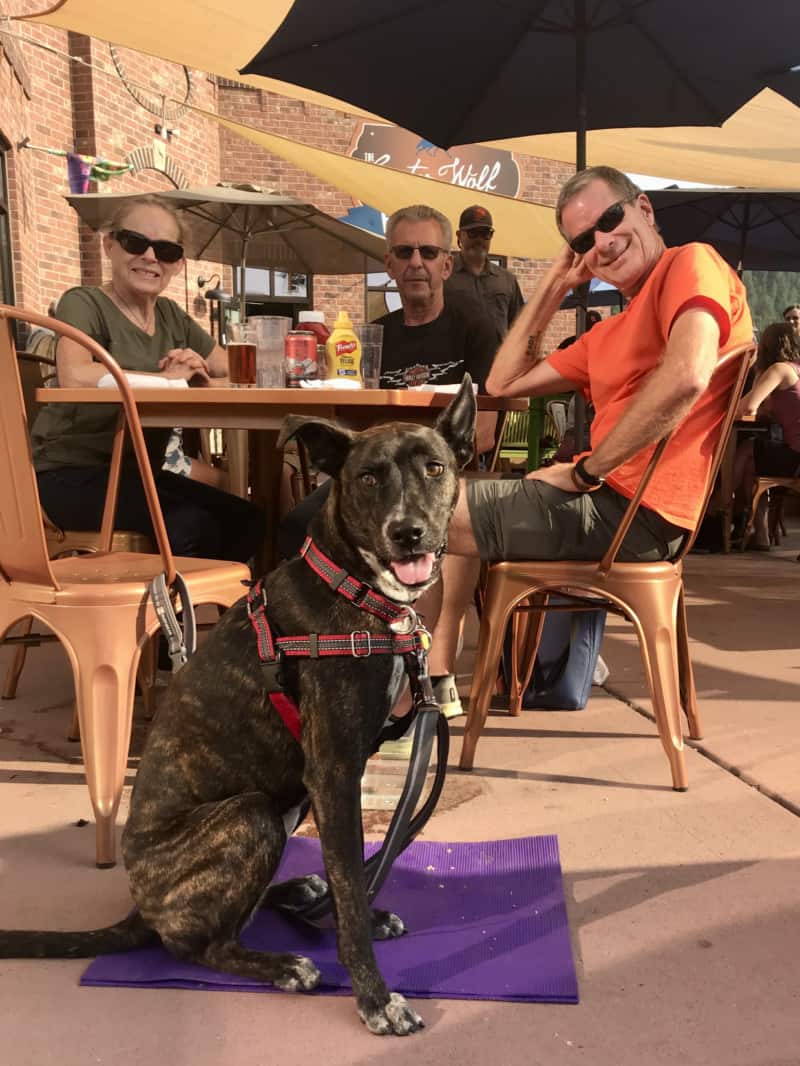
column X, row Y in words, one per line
column 185, row 363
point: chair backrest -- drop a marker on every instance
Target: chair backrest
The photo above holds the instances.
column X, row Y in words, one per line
column 735, row 365
column 34, row 371
column 515, row 431
column 23, row 550
column 556, row 420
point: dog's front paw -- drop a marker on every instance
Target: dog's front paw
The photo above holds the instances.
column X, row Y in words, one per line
column 299, row 975
column 386, row 926
column 396, row 1017
column 296, row 894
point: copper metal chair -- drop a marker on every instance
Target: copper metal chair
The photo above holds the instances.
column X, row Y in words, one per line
column 648, row 594
column 98, row 605
column 766, row 483
column 38, row 368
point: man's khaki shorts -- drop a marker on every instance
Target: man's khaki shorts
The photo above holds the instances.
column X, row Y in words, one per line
column 527, row 519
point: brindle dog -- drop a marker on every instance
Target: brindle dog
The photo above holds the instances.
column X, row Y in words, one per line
column 221, row 773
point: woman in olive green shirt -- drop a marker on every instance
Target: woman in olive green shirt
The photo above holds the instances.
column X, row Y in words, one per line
column 146, row 333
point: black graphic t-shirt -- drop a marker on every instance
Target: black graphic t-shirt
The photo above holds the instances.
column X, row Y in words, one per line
column 438, row 352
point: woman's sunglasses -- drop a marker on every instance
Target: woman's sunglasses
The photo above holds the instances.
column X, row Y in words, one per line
column 427, row 251
column 608, row 221
column 137, row 244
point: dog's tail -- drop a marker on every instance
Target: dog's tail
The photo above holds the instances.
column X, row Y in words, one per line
column 130, row 933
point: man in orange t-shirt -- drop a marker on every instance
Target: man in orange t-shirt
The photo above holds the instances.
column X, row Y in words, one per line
column 647, row 371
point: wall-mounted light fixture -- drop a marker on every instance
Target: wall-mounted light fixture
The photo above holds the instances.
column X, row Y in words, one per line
column 216, row 292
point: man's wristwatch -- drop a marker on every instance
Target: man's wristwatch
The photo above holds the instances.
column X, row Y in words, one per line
column 583, row 480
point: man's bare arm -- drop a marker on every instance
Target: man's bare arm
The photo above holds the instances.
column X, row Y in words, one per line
column 667, row 395
column 518, row 368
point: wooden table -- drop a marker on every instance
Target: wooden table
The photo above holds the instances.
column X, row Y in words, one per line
column 263, row 410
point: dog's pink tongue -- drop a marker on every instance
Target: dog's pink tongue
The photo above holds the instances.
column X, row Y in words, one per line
column 413, row 571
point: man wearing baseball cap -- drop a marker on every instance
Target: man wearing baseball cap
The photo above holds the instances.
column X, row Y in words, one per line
column 489, row 288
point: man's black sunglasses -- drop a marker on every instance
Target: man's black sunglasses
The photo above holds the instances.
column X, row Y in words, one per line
column 427, row 251
column 137, row 244
column 608, row 221
column 484, row 232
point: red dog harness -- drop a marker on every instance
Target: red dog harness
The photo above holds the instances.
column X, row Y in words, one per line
column 407, row 636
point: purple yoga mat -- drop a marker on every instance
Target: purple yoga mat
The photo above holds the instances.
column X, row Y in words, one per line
column 486, row 921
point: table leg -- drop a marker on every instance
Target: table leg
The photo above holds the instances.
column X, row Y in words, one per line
column 726, row 487
column 266, row 466
column 236, row 445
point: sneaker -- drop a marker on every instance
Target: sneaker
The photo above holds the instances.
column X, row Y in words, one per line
column 601, row 672
column 446, row 695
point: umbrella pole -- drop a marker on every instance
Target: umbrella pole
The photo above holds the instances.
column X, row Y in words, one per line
column 243, row 282
column 743, row 237
column 582, row 291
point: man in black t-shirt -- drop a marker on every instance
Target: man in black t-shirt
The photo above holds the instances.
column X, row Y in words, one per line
column 426, row 341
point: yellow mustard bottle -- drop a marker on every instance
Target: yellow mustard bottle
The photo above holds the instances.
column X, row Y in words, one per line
column 343, row 349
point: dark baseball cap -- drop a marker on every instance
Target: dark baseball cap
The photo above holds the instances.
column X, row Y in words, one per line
column 474, row 216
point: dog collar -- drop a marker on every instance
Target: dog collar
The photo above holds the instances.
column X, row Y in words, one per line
column 413, row 642
column 401, row 618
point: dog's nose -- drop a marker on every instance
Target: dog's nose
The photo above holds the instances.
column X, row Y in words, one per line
column 406, row 534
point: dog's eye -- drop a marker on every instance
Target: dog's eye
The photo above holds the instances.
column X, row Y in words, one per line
column 368, row 478
column 434, row 469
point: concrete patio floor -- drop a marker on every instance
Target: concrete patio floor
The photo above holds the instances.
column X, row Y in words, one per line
column 683, row 908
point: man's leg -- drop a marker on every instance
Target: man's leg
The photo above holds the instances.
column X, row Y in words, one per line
column 444, row 606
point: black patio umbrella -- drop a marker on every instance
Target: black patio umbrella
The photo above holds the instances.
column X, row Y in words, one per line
column 752, row 229
column 460, row 71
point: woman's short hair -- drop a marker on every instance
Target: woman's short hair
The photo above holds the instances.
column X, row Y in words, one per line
column 420, row 213
column 791, row 307
column 619, row 183
column 778, row 344
column 118, row 218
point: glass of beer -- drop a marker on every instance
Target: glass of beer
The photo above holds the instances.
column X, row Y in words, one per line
column 241, row 350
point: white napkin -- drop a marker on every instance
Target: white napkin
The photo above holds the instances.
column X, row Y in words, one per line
column 144, row 381
column 331, row 383
column 439, row 388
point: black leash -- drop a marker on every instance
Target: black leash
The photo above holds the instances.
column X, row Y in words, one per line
column 403, row 828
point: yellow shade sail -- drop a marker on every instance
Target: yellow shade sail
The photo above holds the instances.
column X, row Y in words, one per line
column 758, row 147
column 521, row 229
column 216, row 36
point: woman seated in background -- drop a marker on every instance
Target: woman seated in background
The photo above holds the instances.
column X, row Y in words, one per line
column 777, row 386
column 146, row 333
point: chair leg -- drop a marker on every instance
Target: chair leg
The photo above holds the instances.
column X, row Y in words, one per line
column 18, row 662
column 686, row 674
column 526, row 628
column 148, row 669
column 496, row 611
column 655, row 616
column 751, row 517
column 104, row 666
column 74, row 731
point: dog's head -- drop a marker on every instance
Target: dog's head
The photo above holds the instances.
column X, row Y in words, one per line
column 396, row 487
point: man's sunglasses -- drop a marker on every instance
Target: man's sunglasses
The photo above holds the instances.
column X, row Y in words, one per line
column 427, row 251
column 608, row 221
column 137, row 244
column 484, row 232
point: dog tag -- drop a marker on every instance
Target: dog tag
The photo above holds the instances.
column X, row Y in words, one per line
column 405, row 624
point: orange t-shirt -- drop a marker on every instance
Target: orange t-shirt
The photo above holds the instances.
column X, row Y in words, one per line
column 612, row 360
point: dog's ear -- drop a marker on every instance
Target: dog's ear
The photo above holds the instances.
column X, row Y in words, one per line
column 457, row 422
column 326, row 443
